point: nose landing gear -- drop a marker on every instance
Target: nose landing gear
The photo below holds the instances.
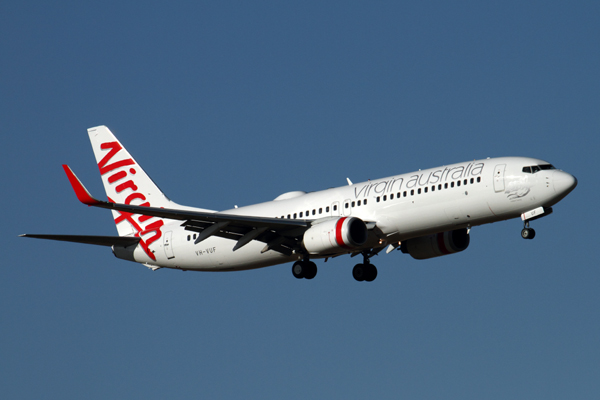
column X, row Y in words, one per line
column 527, row 232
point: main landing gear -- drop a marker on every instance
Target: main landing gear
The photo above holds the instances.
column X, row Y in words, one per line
column 304, row 269
column 366, row 271
column 361, row 272
column 527, row 232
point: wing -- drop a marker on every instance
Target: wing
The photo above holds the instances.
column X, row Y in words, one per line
column 282, row 235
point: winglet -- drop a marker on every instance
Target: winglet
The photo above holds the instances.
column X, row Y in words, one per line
column 82, row 193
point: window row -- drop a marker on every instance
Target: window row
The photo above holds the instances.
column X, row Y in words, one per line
column 398, row 195
column 432, row 188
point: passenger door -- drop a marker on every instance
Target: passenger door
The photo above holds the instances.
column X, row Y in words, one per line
column 499, row 177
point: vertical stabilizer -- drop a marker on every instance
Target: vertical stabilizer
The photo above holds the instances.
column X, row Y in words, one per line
column 126, row 182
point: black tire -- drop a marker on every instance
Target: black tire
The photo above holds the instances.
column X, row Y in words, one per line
column 371, row 273
column 525, row 233
column 531, row 233
column 358, row 272
column 310, row 270
column 298, row 269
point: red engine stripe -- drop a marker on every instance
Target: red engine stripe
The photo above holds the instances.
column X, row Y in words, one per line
column 338, row 233
column 441, row 244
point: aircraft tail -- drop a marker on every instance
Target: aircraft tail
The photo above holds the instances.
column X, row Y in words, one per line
column 126, row 182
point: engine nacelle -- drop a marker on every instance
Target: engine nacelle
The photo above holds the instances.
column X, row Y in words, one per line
column 332, row 235
column 436, row 245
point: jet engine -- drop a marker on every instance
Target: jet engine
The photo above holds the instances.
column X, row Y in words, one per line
column 333, row 235
column 439, row 244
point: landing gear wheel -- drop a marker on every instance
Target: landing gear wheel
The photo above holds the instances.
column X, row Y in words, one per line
column 298, row 269
column 304, row 269
column 532, row 233
column 528, row 233
column 359, row 272
column 310, row 270
column 371, row 273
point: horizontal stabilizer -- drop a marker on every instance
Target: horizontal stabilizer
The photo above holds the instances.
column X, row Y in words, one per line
column 97, row 240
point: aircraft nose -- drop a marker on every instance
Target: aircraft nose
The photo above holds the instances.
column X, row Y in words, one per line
column 564, row 182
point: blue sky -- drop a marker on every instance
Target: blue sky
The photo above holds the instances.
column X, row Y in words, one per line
column 235, row 103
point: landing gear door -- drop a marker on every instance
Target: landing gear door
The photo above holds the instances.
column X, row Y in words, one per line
column 167, row 239
column 499, row 177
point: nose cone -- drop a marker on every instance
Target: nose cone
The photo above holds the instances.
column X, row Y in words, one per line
column 564, row 182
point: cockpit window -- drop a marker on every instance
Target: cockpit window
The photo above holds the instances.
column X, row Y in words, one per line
column 535, row 168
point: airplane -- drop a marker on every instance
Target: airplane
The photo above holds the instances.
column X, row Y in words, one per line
column 427, row 213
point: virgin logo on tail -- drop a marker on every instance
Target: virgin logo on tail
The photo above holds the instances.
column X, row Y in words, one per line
column 123, row 178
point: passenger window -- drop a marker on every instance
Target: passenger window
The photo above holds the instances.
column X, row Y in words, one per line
column 294, row 215
column 465, row 181
column 188, row 238
column 353, row 204
column 320, row 210
column 384, row 198
column 289, row 216
column 472, row 180
column 440, row 186
column 419, row 191
column 404, row 193
column 392, row 196
column 300, row 214
column 194, row 236
column 365, row 202
column 451, row 184
column 478, row 179
column 433, row 188
column 412, row 192
column 458, row 183
column 425, row 189
column 358, row 203
column 314, row 212
column 378, row 199
column 346, row 205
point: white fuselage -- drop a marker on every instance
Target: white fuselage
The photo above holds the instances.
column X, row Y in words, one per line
column 401, row 207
